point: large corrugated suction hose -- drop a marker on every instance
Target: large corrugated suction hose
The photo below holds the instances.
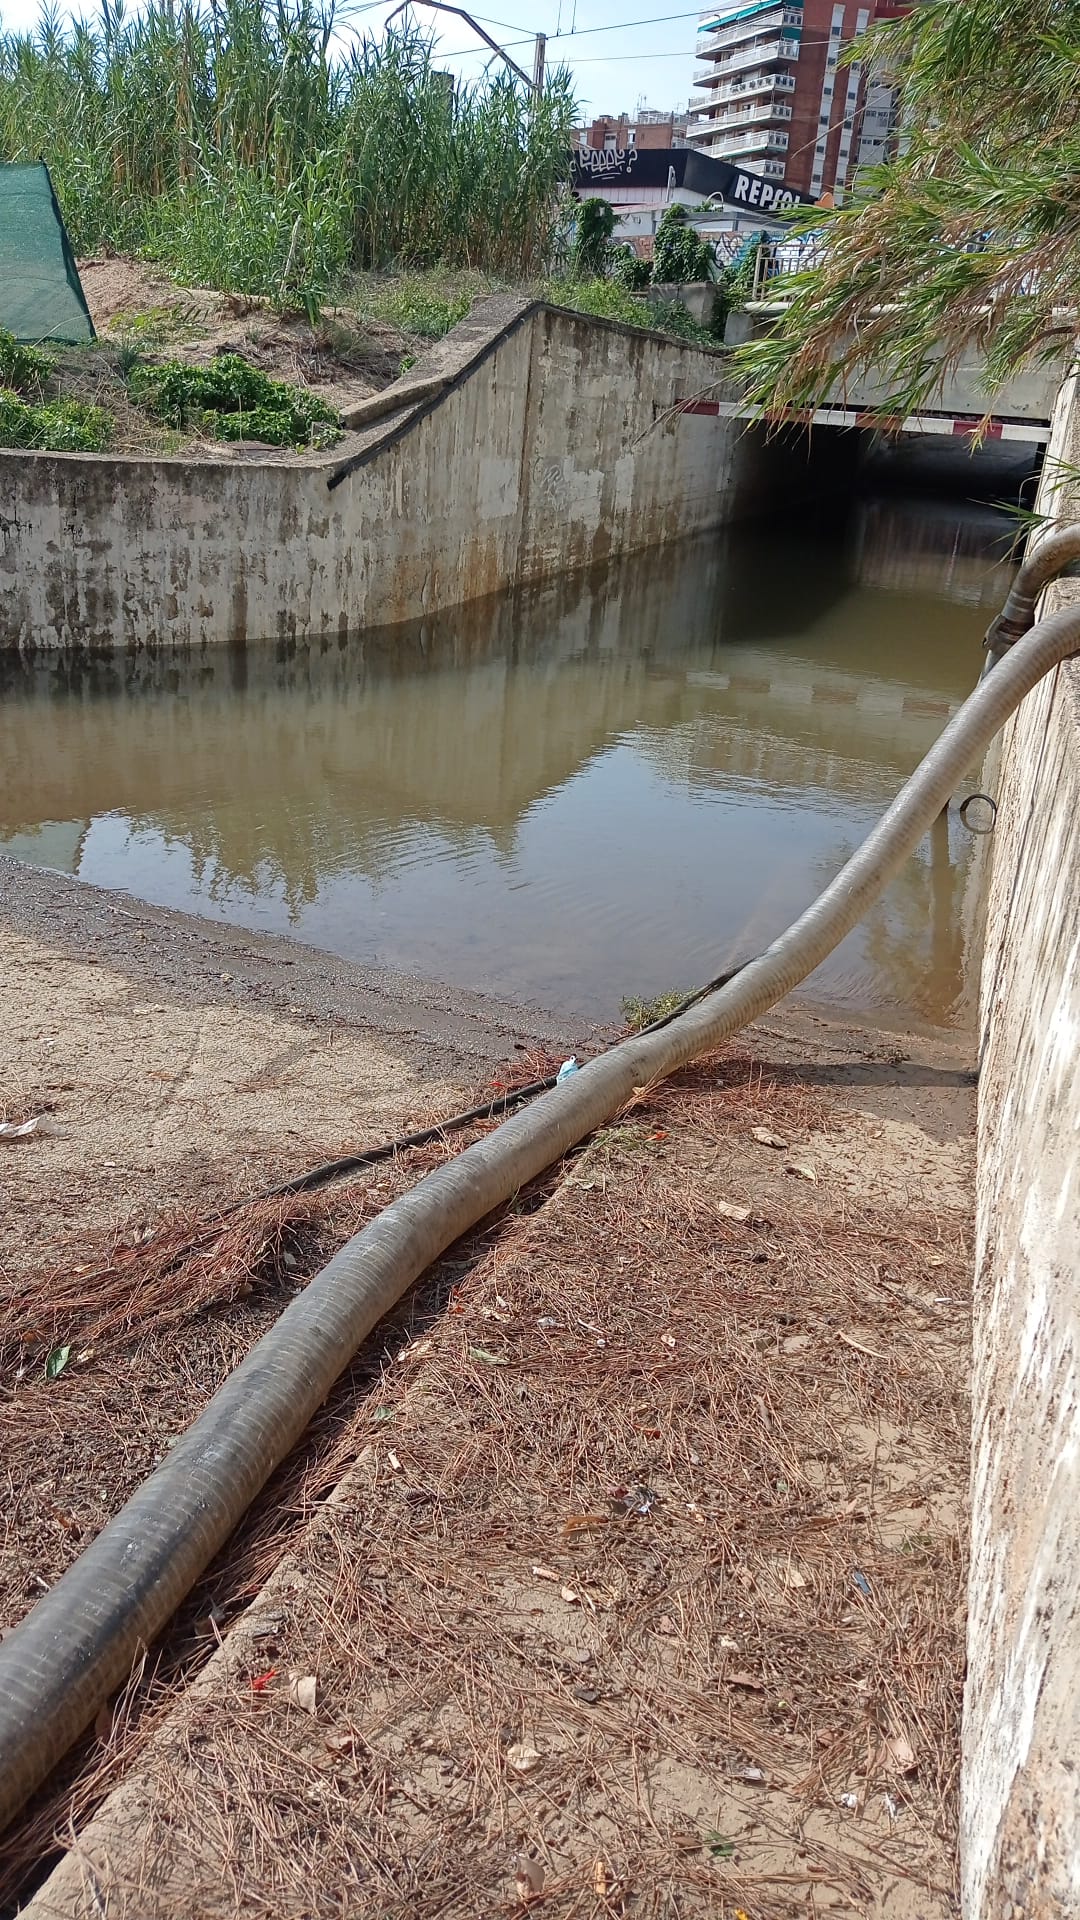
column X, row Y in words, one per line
column 78, row 1643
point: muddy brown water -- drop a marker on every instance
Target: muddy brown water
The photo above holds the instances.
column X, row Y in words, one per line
column 615, row 786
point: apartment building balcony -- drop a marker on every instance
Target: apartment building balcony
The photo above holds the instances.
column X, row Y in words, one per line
column 752, row 83
column 747, row 86
column 729, row 146
column 736, row 32
column 731, row 119
column 745, row 59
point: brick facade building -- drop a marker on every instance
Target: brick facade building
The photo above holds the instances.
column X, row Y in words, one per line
column 774, row 98
column 646, row 130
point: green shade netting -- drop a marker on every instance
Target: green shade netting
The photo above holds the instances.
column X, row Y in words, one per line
column 41, row 298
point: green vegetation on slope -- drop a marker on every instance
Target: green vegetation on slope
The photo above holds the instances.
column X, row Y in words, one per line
column 52, row 426
column 244, row 146
column 228, row 400
column 28, row 419
column 971, row 238
column 233, row 400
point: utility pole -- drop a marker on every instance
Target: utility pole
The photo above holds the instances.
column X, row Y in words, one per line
column 535, row 83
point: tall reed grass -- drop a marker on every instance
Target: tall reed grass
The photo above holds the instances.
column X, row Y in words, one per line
column 260, row 146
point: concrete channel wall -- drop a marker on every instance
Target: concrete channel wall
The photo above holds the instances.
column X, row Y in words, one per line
column 1021, row 1766
column 554, row 442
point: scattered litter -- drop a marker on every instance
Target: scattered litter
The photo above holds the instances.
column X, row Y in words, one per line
column 568, row 1594
column 720, row 1846
column 891, row 1806
column 25, row 1129
column 343, row 1742
column 861, row 1582
column 529, row 1881
column 668, row 1339
column 546, row 1573
column 392, row 1460
column 56, row 1362
column 302, row 1689
column 897, row 1753
column 751, row 1776
column 802, row 1170
column 549, row 1323
column 728, row 1645
column 523, row 1757
column 490, row 1359
column 795, row 1343
column 850, row 1801
column 767, row 1138
column 793, row 1578
column 632, row 1499
column 601, row 1877
column 260, row 1681
column 729, row 1212
column 568, row 1067
column 414, row 1349
column 384, row 1413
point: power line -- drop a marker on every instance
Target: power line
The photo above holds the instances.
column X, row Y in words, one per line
column 621, row 26
column 604, row 59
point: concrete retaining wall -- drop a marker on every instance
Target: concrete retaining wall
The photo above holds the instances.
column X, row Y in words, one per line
column 552, row 446
column 1021, row 1778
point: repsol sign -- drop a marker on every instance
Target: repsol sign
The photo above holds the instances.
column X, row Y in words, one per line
column 750, row 190
column 594, row 168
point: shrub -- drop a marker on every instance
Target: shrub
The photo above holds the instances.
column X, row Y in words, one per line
column 604, row 298
column 54, row 426
column 418, row 311
column 591, row 247
column 681, row 254
column 22, row 369
column 235, row 401
column 628, row 271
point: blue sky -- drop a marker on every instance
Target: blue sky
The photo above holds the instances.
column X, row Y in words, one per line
column 616, row 66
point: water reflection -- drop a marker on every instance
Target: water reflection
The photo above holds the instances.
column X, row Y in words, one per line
column 614, row 785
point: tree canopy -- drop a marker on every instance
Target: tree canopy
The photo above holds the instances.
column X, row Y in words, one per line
column 970, row 237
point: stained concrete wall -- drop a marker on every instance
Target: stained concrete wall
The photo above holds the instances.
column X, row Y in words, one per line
column 552, row 446
column 1021, row 1764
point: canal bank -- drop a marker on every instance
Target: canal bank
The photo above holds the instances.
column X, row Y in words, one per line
column 768, row 1333
column 529, row 443
column 1013, row 1647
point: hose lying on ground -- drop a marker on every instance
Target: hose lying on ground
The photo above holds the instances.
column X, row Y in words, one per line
column 329, row 1170
column 77, row 1645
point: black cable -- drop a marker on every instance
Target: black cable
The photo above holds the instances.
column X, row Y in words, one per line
column 329, row 1170
column 370, row 1156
